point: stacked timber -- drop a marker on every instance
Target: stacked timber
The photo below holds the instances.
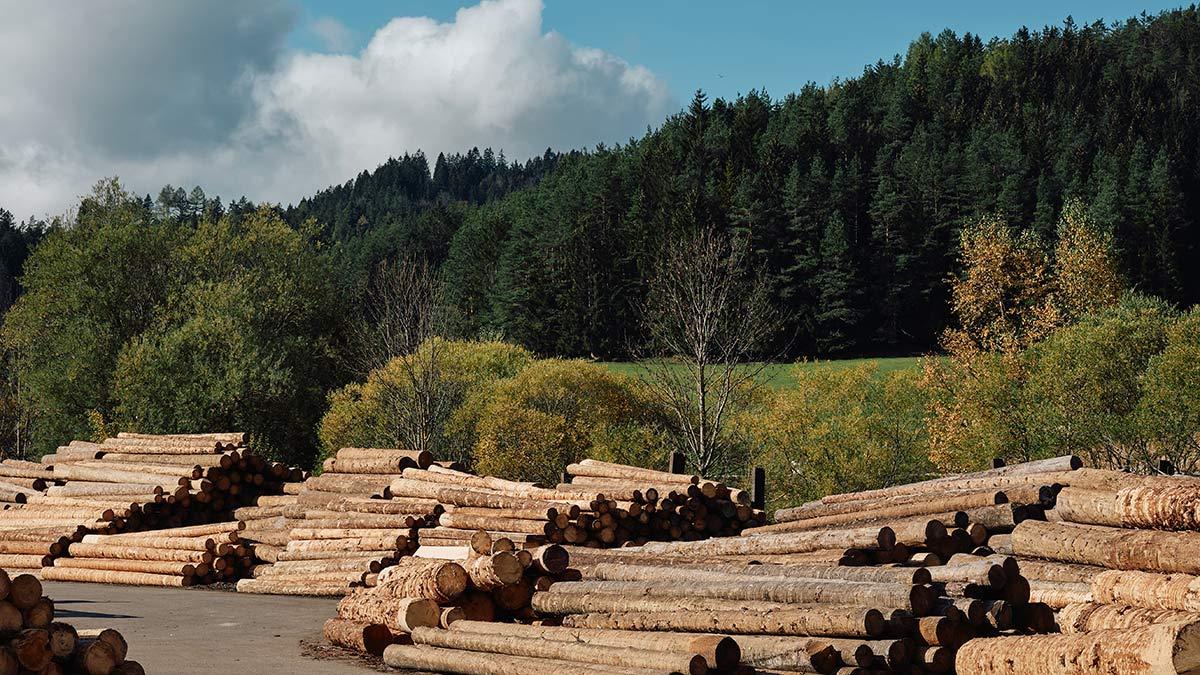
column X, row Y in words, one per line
column 885, row 618
column 1117, row 557
column 338, row 529
column 183, row 556
column 637, row 505
column 31, row 641
column 490, row 580
column 129, row 483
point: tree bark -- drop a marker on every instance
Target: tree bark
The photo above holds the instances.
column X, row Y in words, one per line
column 1161, row 648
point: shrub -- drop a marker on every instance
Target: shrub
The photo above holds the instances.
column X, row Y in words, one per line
column 838, row 430
column 1169, row 411
column 1086, row 382
column 560, row 411
column 364, row 414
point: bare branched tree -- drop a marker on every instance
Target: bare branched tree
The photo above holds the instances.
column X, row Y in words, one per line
column 707, row 315
column 400, row 325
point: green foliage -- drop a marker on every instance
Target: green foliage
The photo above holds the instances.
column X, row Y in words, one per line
column 362, row 414
column 243, row 341
column 1170, row 404
column 91, row 288
column 1086, row 382
column 838, row 430
column 555, row 412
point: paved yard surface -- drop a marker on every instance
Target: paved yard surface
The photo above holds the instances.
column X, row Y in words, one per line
column 186, row 631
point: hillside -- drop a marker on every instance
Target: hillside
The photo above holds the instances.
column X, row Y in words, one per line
column 853, row 193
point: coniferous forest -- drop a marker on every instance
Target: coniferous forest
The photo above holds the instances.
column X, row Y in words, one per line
column 852, row 194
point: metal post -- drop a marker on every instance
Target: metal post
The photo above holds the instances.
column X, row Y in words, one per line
column 758, row 488
column 676, row 465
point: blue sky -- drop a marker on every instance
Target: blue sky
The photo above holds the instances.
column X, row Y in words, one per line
column 726, row 47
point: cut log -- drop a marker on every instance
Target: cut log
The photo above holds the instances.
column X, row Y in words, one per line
column 1161, row 648
column 424, row 657
column 1146, row 589
column 370, row 638
column 1088, row 617
column 1109, row 547
column 629, row 657
column 814, row 620
column 114, row 577
column 436, row 580
column 867, row 538
column 398, row 614
column 719, row 651
column 490, row 572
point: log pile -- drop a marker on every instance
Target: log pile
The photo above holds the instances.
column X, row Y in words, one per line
column 1118, row 557
column 31, row 641
column 182, row 556
column 636, row 505
column 490, row 580
column 337, row 529
column 130, row 483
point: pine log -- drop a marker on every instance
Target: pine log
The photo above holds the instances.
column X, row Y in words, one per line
column 436, row 580
column 1109, row 547
column 596, row 468
column 40, row 615
column 590, row 603
column 370, row 638
column 110, row 637
column 394, row 543
column 24, row 591
column 492, row 523
column 114, row 577
column 123, row 552
column 32, row 648
column 1146, row 589
column 286, row 587
column 869, row 538
column 812, row 620
column 719, row 651
column 1059, row 594
column 1024, row 473
column 422, row 459
column 869, row 510
column 118, row 565
column 424, row 657
column 63, row 638
column 395, row 505
column 629, row 657
column 668, row 582
column 1161, row 648
column 1088, row 617
column 398, row 614
column 493, row 571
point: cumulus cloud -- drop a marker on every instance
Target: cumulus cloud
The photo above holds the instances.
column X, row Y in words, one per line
column 208, row 94
column 333, row 34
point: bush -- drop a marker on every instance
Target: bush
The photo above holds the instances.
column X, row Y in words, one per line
column 556, row 412
column 1169, row 411
column 1086, row 382
column 243, row 342
column 364, row 414
column 838, row 430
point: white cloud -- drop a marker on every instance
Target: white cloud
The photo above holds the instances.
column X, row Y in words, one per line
column 205, row 93
column 333, row 34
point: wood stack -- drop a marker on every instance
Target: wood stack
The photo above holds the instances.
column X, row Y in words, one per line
column 31, row 641
column 636, row 505
column 488, row 581
column 338, row 528
column 183, row 556
column 1119, row 559
column 129, row 483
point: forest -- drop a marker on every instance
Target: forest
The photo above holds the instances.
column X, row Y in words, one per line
column 852, row 199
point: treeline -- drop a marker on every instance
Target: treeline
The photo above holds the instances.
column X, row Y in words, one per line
column 853, row 195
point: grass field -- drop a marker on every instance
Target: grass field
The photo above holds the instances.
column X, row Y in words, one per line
column 780, row 375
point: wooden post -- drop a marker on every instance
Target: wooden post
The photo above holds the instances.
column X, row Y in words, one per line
column 1166, row 467
column 676, row 465
column 758, row 488
column 998, row 462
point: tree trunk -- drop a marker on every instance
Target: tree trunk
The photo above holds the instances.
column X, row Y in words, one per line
column 812, row 620
column 1162, row 648
column 1109, row 547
